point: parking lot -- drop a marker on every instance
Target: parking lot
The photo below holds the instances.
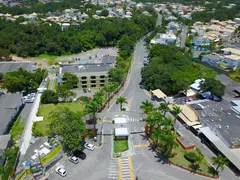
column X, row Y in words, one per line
column 90, row 56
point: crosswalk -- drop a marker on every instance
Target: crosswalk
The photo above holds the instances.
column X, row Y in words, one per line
column 136, row 130
column 113, row 169
column 125, row 169
column 129, row 119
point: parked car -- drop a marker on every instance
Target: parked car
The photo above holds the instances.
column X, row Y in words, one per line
column 73, row 159
column 80, row 154
column 61, row 171
column 89, row 146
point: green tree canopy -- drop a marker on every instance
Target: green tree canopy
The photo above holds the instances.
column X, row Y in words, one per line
column 215, row 87
column 49, row 96
column 70, row 126
column 70, row 80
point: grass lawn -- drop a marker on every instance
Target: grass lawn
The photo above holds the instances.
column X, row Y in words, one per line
column 17, row 129
column 46, row 109
column 206, row 72
column 180, row 160
column 44, row 160
column 235, row 75
column 120, row 145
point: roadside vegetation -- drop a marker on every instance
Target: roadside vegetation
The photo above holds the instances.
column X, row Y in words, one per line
column 120, row 145
column 235, row 75
column 171, row 70
column 17, row 129
column 50, row 156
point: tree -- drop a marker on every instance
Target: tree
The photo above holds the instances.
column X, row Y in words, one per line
column 49, row 96
column 115, row 75
column 220, row 162
column 104, row 13
column 65, row 93
column 5, row 55
column 147, row 106
column 70, row 80
column 70, row 126
column 108, row 89
column 215, row 87
column 176, row 111
column 164, row 108
column 92, row 108
column 121, row 100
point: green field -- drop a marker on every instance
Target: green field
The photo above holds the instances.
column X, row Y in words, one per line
column 179, row 159
column 120, row 145
column 46, row 109
column 206, row 72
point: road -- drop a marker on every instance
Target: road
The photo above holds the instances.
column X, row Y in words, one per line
column 183, row 36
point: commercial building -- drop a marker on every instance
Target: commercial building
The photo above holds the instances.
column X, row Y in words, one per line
column 93, row 74
column 164, row 38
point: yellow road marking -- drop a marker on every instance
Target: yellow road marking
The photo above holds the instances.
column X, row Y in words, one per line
column 120, row 169
column 130, row 168
column 108, row 121
column 140, row 145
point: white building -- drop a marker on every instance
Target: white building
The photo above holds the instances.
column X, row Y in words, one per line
column 164, row 38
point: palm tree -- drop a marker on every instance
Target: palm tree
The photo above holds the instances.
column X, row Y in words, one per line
column 220, row 162
column 176, row 111
column 167, row 123
column 108, row 89
column 168, row 143
column 98, row 97
column 121, row 100
column 164, row 108
column 147, row 106
column 92, row 108
column 152, row 119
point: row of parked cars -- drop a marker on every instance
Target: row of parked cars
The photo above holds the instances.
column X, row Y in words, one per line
column 74, row 158
column 29, row 98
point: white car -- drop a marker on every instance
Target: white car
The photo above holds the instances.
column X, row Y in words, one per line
column 89, row 146
column 73, row 159
column 61, row 171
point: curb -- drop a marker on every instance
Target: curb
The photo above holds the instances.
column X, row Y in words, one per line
column 187, row 169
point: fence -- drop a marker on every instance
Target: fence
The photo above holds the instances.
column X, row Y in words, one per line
column 219, row 70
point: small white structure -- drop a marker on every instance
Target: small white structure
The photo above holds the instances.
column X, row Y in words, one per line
column 121, row 133
column 196, row 85
column 164, row 38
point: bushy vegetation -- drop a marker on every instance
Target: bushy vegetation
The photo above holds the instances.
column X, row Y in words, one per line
column 191, row 156
column 23, row 80
column 36, row 39
column 171, row 70
column 49, row 97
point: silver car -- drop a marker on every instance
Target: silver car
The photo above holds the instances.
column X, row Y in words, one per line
column 73, row 159
column 61, row 171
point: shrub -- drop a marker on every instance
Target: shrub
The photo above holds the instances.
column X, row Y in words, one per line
column 83, row 99
column 191, row 157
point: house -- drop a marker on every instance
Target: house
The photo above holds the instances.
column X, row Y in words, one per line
column 196, row 85
column 211, row 59
column 158, row 94
column 5, row 143
column 173, row 26
column 232, row 60
column 201, row 44
column 164, row 38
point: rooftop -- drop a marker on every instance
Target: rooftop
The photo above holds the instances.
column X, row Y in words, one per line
column 5, row 120
column 10, row 101
column 232, row 50
column 212, row 57
column 221, row 119
column 14, row 66
column 159, row 94
column 81, row 69
column 4, row 139
column 233, row 57
column 121, row 132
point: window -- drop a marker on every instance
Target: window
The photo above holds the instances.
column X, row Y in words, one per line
column 93, row 81
column 84, row 82
column 84, row 77
column 102, row 81
column 93, row 77
column 102, row 85
column 93, row 85
column 102, row 76
column 84, row 86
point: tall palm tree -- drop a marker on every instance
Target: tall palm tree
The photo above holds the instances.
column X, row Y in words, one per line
column 152, row 119
column 108, row 89
column 164, row 108
column 220, row 162
column 98, row 97
column 176, row 111
column 147, row 106
column 121, row 100
column 167, row 123
column 92, row 108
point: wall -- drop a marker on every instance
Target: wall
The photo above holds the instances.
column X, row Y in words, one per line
column 27, row 134
column 97, row 79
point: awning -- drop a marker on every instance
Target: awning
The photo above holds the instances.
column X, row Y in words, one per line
column 121, row 132
column 159, row 94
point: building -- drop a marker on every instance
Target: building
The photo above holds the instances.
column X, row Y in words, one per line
column 121, row 133
column 201, row 44
column 10, row 105
column 212, row 59
column 14, row 66
column 158, row 94
column 164, row 38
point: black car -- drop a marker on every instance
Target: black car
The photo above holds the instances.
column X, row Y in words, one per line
column 80, row 154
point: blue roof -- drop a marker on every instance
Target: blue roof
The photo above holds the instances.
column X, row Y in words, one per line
column 59, row 80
